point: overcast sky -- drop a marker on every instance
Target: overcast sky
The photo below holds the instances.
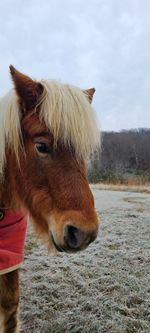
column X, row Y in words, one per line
column 100, row 43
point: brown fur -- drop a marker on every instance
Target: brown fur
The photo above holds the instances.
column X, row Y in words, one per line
column 9, row 300
column 52, row 187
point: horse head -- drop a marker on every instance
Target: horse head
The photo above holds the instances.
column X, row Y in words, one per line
column 52, row 131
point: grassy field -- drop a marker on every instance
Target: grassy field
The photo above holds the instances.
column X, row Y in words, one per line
column 123, row 187
column 106, row 288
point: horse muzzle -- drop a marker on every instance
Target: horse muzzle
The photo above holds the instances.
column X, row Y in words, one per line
column 73, row 231
column 74, row 239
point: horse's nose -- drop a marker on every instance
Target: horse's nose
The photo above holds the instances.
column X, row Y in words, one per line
column 76, row 239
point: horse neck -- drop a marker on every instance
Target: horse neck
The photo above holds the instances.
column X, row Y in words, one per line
column 8, row 192
column 5, row 194
column 8, row 187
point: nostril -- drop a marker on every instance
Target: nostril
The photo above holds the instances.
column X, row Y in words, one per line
column 76, row 239
column 73, row 237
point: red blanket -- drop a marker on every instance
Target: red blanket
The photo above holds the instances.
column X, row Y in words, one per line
column 12, row 237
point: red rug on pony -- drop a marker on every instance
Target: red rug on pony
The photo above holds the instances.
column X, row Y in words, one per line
column 12, row 237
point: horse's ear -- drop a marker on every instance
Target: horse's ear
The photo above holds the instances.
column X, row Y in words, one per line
column 90, row 93
column 27, row 89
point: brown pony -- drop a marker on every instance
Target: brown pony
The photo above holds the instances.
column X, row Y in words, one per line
column 47, row 130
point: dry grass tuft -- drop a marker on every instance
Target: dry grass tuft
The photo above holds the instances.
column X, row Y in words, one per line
column 122, row 187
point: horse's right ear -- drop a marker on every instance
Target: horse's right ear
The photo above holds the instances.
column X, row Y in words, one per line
column 27, row 89
column 89, row 93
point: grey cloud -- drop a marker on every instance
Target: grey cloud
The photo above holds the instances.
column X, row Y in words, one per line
column 104, row 44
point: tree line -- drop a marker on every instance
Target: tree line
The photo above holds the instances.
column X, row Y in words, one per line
column 123, row 155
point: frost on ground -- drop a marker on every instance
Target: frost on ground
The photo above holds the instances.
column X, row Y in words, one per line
column 106, row 288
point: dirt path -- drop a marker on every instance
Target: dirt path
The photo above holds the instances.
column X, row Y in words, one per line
column 105, row 289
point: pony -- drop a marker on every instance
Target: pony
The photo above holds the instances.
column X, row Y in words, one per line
column 47, row 131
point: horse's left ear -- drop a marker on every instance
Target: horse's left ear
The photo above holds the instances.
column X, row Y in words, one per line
column 90, row 93
column 27, row 89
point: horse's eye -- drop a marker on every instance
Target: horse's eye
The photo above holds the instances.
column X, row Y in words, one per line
column 42, row 148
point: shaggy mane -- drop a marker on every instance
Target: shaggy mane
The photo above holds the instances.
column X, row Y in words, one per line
column 66, row 112
column 10, row 130
column 69, row 116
